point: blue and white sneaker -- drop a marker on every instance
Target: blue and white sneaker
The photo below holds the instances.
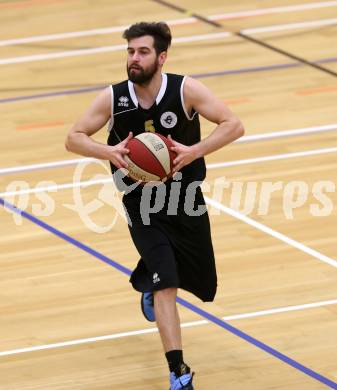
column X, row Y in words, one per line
column 181, row 379
column 147, row 306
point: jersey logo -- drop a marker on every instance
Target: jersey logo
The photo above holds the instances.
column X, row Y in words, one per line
column 156, row 278
column 168, row 119
column 123, row 101
column 148, row 126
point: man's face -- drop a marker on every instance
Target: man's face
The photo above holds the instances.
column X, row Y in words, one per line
column 143, row 62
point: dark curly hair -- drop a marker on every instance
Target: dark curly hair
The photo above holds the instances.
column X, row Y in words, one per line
column 160, row 32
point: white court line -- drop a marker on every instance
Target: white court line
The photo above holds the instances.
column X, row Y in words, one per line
column 110, row 30
column 57, row 187
column 87, row 183
column 54, row 164
column 104, row 49
column 275, row 10
column 291, row 26
column 271, row 232
column 286, row 133
column 154, row 330
column 61, row 54
column 208, row 166
column 248, row 138
column 274, row 157
column 203, row 37
column 67, row 35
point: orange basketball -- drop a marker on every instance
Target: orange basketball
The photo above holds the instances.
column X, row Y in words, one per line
column 150, row 158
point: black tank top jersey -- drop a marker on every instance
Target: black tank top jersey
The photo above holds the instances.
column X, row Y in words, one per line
column 168, row 115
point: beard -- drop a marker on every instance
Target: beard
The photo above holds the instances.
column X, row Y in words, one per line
column 139, row 75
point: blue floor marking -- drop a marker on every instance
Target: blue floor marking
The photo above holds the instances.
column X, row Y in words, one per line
column 197, row 76
column 183, row 302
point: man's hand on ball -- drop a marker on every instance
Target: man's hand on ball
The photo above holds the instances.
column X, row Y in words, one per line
column 119, row 151
column 185, row 154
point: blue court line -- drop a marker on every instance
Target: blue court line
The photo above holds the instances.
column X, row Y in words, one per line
column 183, row 302
column 197, row 76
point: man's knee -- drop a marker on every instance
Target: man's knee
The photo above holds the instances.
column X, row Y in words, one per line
column 166, row 293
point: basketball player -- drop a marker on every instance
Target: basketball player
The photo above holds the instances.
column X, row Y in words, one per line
column 175, row 248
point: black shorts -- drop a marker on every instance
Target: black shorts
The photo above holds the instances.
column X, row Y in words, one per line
column 176, row 250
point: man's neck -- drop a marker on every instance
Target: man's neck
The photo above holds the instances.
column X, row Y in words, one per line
column 147, row 93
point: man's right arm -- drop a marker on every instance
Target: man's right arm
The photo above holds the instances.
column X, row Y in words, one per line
column 94, row 118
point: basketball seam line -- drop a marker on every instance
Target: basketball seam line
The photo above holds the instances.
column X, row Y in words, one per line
column 138, row 141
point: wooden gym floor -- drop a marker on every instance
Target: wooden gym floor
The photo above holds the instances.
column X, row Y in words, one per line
column 69, row 318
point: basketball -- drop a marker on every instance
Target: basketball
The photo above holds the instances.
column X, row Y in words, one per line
column 150, row 158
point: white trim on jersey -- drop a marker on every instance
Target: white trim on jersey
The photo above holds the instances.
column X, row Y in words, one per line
column 183, row 101
column 133, row 93
column 162, row 88
column 160, row 95
column 122, row 112
column 111, row 123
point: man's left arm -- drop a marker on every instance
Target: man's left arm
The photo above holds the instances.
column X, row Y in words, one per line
column 228, row 129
